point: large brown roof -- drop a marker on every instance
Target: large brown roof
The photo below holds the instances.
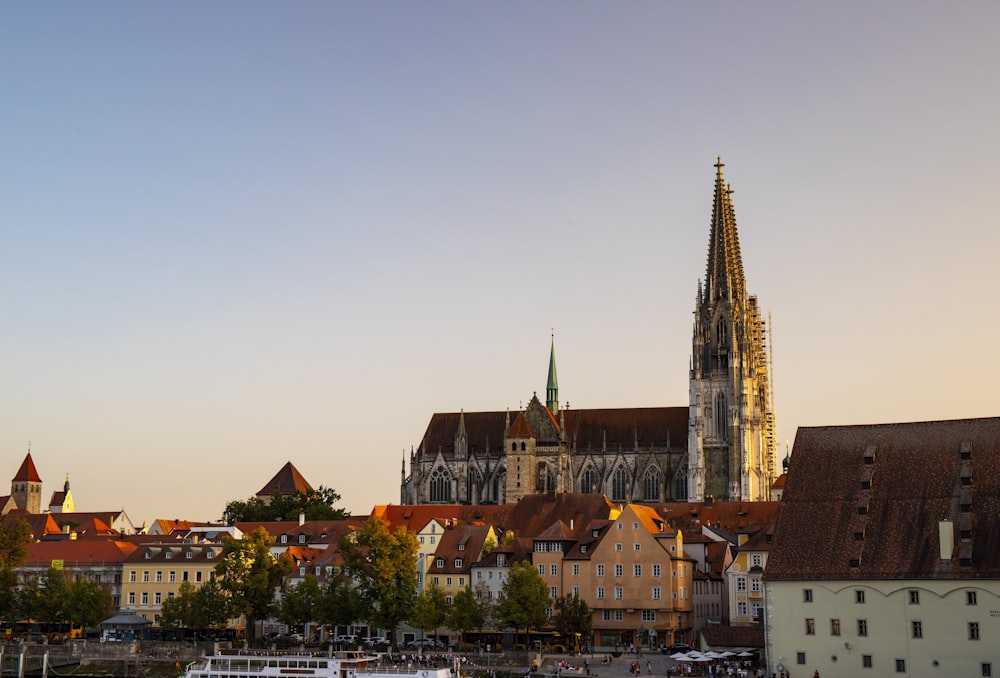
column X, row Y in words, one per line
column 864, row 502
column 287, row 480
column 585, row 429
column 77, row 553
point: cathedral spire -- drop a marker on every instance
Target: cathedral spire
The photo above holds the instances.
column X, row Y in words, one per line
column 724, row 273
column 552, row 389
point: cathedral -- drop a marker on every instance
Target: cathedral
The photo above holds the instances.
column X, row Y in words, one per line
column 722, row 445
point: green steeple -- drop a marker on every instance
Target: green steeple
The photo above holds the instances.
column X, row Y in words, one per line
column 552, row 388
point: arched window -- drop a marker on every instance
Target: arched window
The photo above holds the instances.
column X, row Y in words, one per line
column 440, row 486
column 721, row 427
column 474, row 484
column 543, row 479
column 680, row 484
column 523, row 447
column 721, row 333
column 588, row 482
column 513, row 447
column 619, row 485
column 651, row 485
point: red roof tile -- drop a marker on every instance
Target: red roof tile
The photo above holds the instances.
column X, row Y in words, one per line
column 27, row 472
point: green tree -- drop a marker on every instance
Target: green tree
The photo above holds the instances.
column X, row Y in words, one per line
column 15, row 537
column 211, row 606
column 249, row 574
column 383, row 565
column 523, row 598
column 53, row 589
column 314, row 504
column 572, row 617
column 339, row 603
column 177, row 612
column 466, row 612
column 88, row 603
column 300, row 603
column 430, row 610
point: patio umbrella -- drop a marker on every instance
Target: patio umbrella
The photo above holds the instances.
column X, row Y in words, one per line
column 745, row 654
column 680, row 656
column 727, row 653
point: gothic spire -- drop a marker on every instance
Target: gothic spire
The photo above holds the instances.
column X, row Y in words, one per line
column 552, row 389
column 724, row 273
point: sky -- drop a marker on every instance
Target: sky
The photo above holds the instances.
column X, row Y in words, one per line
column 237, row 234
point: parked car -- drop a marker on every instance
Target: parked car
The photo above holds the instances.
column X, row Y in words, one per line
column 375, row 641
column 349, row 639
column 425, row 643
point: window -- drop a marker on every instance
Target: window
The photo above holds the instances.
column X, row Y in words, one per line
column 541, row 570
column 900, row 666
column 987, row 669
column 741, row 608
column 859, row 596
column 636, row 547
column 619, row 570
column 576, row 569
column 553, row 569
column 461, row 547
column 459, row 561
column 172, row 577
column 145, row 598
column 656, row 593
column 755, row 584
column 619, row 487
column 600, row 593
column 741, row 583
column 807, row 595
column 620, row 593
column 145, row 576
column 656, row 569
column 973, row 630
column 197, row 576
column 862, row 627
column 184, row 575
column 619, row 615
column 970, row 598
column 637, row 570
column 159, row 576
column 131, row 597
column 576, row 591
column 800, row 657
column 866, row 661
column 917, row 629
column 649, row 615
column 834, row 627
column 755, row 560
column 553, row 592
column 600, row 569
column 607, row 615
column 618, row 547
column 131, row 576
column 157, row 598
column 914, row 597
column 440, row 486
column 810, row 627
column 447, row 581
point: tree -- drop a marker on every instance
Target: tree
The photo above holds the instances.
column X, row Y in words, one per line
column 176, row 612
column 339, row 603
column 15, row 536
column 523, row 598
column 50, row 605
column 572, row 617
column 466, row 612
column 430, row 610
column 249, row 574
column 197, row 609
column 88, row 603
column 300, row 603
column 314, row 504
column 383, row 565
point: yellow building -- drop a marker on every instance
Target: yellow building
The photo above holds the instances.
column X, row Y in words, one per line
column 154, row 573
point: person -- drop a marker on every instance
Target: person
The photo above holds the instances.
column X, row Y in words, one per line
column 816, row 674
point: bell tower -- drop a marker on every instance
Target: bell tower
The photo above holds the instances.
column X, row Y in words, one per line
column 731, row 420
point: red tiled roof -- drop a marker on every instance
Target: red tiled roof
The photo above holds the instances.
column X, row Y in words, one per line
column 27, row 472
column 864, row 502
column 40, row 524
column 724, row 637
column 287, row 480
column 73, row 552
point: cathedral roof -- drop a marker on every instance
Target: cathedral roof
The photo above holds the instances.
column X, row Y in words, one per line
column 585, row 429
column 520, row 428
column 27, row 472
column 865, row 502
column 724, row 272
column 287, row 481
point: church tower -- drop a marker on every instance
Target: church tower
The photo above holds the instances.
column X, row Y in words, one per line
column 26, row 487
column 731, row 421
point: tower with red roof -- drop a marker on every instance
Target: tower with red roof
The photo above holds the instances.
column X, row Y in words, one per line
column 26, row 487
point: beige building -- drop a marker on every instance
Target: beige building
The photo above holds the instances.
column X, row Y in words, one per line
column 154, row 573
column 885, row 559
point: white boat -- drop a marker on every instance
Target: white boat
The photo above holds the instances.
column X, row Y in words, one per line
column 249, row 664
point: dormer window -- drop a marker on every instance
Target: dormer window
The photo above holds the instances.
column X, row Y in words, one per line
column 458, row 562
column 501, row 560
column 595, row 533
column 149, row 554
column 302, row 539
column 461, row 547
column 583, row 548
column 284, row 539
column 189, row 554
column 439, row 562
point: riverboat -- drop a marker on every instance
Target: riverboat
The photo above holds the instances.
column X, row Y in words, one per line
column 249, row 664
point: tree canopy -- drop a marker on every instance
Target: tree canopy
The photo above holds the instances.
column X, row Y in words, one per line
column 249, row 574
column 383, row 566
column 524, row 598
column 315, row 505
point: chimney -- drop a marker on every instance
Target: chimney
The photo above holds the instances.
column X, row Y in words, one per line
column 302, row 519
column 946, row 535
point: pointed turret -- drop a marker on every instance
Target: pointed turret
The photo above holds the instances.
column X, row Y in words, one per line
column 552, row 388
column 724, row 272
column 26, row 487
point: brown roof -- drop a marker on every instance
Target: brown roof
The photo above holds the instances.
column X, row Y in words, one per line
column 651, row 426
column 416, row 516
column 533, row 515
column 40, row 524
column 737, row 517
column 73, row 552
column 864, row 502
column 287, row 480
column 728, row 637
column 27, row 472
column 461, row 541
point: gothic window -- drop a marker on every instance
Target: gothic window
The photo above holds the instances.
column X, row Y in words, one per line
column 651, row 485
column 720, row 416
column 680, row 484
column 619, row 485
column 721, row 333
column 475, row 482
column 588, row 482
column 523, row 447
column 543, row 479
column 440, row 486
column 513, row 447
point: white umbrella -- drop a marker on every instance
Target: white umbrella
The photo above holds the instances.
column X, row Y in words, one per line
column 727, row 653
column 680, row 656
column 745, row 654
column 701, row 658
column 714, row 655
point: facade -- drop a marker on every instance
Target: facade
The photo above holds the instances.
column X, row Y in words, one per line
column 731, row 444
column 154, row 573
column 721, row 445
column 62, row 501
column 97, row 560
column 745, row 578
column 885, row 559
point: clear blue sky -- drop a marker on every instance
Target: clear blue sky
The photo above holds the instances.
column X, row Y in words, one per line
column 237, row 234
